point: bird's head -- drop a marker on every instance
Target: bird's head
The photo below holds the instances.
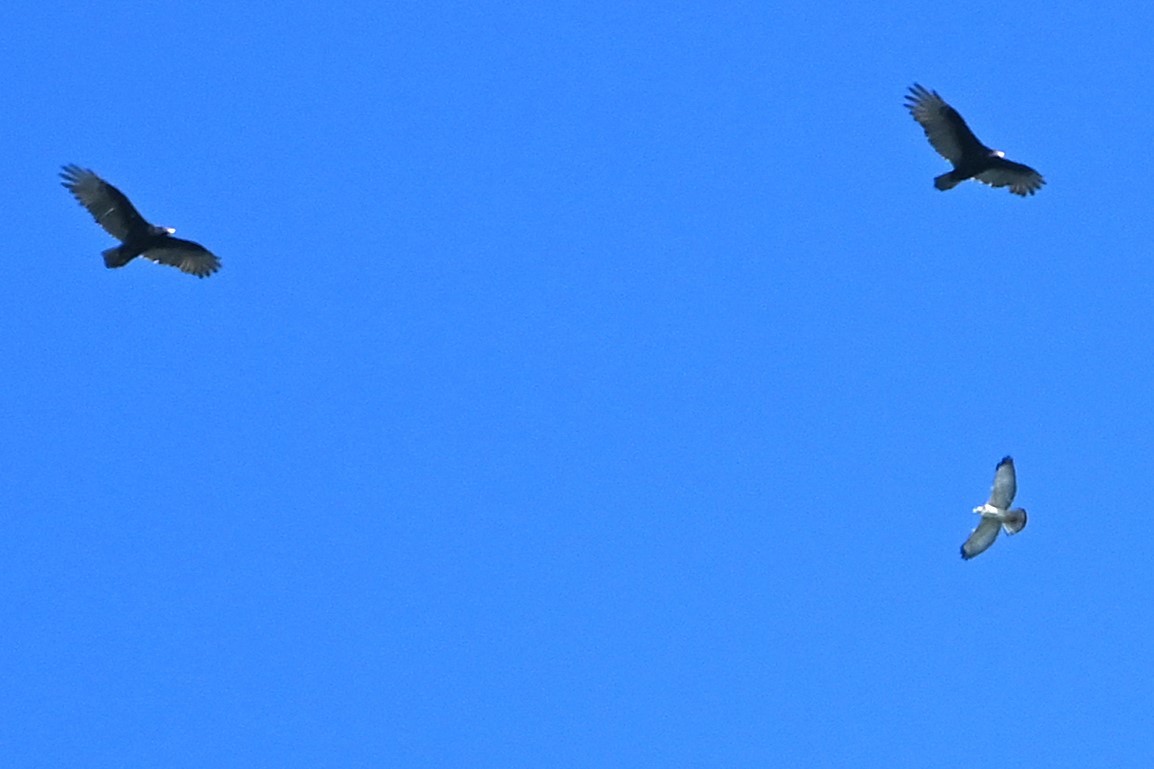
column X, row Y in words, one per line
column 997, row 154
column 163, row 230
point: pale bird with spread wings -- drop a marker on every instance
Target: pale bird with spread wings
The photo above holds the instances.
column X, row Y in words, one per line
column 996, row 513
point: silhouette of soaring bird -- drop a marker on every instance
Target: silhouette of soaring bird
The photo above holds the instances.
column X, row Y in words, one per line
column 953, row 139
column 121, row 220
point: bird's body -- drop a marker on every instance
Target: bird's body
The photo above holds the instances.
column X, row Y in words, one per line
column 120, row 219
column 996, row 512
column 953, row 139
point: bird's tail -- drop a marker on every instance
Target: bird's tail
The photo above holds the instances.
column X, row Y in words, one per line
column 946, row 181
column 117, row 257
column 1015, row 521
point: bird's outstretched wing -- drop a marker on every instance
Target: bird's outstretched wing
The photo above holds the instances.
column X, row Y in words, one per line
column 1021, row 179
column 186, row 256
column 1005, row 485
column 108, row 205
column 981, row 538
column 944, row 127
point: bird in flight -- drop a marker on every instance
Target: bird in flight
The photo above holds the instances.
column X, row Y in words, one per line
column 953, row 139
column 996, row 513
column 121, row 220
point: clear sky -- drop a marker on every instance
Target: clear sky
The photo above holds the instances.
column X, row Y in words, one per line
column 585, row 386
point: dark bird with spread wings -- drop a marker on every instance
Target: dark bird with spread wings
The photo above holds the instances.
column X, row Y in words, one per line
column 122, row 221
column 996, row 513
column 953, row 139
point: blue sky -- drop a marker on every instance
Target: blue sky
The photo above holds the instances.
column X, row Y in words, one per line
column 585, row 385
